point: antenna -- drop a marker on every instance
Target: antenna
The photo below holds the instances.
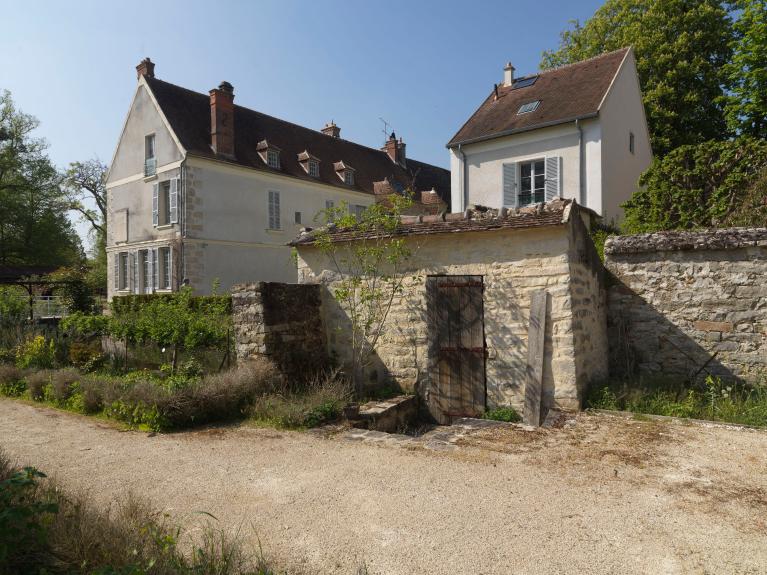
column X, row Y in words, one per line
column 386, row 128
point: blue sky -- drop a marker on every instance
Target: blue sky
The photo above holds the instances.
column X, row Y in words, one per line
column 423, row 66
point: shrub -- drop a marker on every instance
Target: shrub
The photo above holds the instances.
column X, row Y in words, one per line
column 92, row 389
column 36, row 352
column 37, row 382
column 86, row 356
column 507, row 414
column 319, row 402
column 11, row 381
column 62, row 384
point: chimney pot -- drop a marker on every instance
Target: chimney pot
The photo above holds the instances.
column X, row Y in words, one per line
column 508, row 74
column 145, row 68
column 222, row 120
column 395, row 149
column 331, row 129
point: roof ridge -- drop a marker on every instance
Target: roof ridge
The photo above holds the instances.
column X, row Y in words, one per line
column 597, row 57
column 319, row 132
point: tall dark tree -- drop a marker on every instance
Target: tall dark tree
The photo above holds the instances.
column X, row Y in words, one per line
column 747, row 104
column 34, row 229
column 681, row 47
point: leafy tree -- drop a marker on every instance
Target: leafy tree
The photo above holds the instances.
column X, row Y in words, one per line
column 752, row 209
column 696, row 186
column 369, row 271
column 747, row 104
column 84, row 186
column 681, row 47
column 34, row 229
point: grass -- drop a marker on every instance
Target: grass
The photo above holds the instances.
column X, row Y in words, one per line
column 714, row 400
column 507, row 414
column 152, row 402
column 45, row 529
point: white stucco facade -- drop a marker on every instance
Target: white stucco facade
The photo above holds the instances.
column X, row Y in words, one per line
column 600, row 157
column 220, row 229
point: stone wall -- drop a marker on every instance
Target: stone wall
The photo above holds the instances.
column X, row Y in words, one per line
column 688, row 304
column 513, row 263
column 281, row 322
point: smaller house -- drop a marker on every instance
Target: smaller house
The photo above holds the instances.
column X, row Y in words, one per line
column 578, row 131
column 458, row 333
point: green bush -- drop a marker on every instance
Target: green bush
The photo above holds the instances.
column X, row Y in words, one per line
column 63, row 384
column 508, row 414
column 36, row 352
column 37, row 383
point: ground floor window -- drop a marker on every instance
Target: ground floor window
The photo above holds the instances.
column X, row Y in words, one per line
column 165, row 269
column 122, row 271
column 532, row 189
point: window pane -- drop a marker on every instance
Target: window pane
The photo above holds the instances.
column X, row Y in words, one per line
column 540, row 181
column 539, row 167
column 526, row 184
column 526, row 168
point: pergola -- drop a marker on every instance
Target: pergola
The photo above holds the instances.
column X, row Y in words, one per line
column 30, row 277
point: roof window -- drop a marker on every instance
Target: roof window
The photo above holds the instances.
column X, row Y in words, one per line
column 524, row 82
column 529, row 107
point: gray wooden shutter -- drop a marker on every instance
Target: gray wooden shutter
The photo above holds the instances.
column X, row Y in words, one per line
column 133, row 271
column 116, row 282
column 155, row 268
column 510, row 185
column 553, row 177
column 274, row 210
column 155, row 204
column 173, row 200
column 170, row 267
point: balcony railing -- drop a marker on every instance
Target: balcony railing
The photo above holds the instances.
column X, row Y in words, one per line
column 48, row 306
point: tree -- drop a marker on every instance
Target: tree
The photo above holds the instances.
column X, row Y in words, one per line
column 681, row 47
column 369, row 270
column 34, row 229
column 697, row 186
column 747, row 104
column 84, row 186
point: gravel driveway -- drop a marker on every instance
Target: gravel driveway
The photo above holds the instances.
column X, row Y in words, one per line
column 607, row 495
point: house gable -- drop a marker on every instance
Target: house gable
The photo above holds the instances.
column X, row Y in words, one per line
column 144, row 118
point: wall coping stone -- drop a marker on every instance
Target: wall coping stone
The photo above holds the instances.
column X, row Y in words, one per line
column 721, row 239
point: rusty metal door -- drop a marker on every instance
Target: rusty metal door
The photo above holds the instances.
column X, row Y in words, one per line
column 457, row 347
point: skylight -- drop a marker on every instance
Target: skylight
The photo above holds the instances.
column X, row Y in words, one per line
column 529, row 107
column 524, row 82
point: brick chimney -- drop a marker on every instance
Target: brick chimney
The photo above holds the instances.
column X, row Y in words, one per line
column 508, row 74
column 222, row 119
column 395, row 149
column 331, row 130
column 145, row 68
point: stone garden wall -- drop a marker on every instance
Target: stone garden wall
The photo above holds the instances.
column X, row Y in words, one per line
column 688, row 304
column 281, row 322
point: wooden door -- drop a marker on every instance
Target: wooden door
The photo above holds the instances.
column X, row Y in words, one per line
column 457, row 347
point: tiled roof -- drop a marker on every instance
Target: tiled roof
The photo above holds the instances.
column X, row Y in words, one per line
column 188, row 113
column 565, row 93
column 554, row 213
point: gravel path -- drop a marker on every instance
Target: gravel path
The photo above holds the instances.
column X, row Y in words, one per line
column 606, row 496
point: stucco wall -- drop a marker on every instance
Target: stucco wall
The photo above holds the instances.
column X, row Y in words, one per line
column 623, row 112
column 513, row 264
column 678, row 299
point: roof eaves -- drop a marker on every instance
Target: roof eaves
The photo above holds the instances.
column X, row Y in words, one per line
column 521, row 130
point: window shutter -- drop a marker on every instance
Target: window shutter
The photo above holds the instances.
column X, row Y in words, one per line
column 510, row 185
column 150, row 253
column 133, row 271
column 553, row 177
column 173, row 200
column 116, row 282
column 170, row 267
column 155, row 204
column 274, row 210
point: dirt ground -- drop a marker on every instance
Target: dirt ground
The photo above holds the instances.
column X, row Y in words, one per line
column 606, row 495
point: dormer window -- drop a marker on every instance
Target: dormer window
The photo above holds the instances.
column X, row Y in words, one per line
column 345, row 173
column 269, row 153
column 310, row 163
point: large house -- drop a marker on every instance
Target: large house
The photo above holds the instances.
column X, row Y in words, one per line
column 202, row 191
column 578, row 131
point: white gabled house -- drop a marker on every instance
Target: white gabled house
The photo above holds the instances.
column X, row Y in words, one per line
column 577, row 132
column 201, row 190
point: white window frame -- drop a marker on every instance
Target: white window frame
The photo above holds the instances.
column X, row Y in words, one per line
column 349, row 177
column 356, row 210
column 274, row 220
column 273, row 158
column 145, row 271
column 313, row 168
column 150, row 155
column 533, row 175
column 164, row 269
column 528, row 107
column 297, row 217
column 163, row 204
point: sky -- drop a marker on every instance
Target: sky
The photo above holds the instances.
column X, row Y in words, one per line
column 423, row 66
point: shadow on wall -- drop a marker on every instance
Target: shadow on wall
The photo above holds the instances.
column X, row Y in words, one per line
column 644, row 343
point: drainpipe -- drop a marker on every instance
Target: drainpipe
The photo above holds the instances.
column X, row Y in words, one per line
column 462, row 175
column 581, row 191
column 182, row 224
